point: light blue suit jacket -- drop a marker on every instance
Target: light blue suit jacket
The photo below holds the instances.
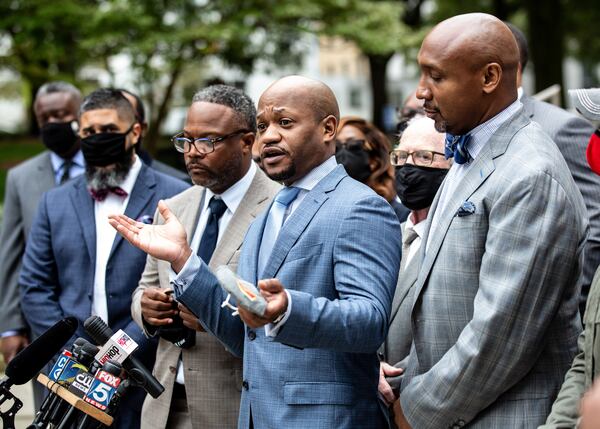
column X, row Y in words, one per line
column 338, row 255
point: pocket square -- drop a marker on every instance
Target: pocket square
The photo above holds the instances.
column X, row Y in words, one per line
column 466, row 209
column 147, row 219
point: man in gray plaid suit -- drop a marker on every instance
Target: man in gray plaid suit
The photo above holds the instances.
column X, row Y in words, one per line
column 494, row 317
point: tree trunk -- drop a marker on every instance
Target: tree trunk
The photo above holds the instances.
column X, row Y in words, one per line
column 151, row 140
column 546, row 34
column 378, row 67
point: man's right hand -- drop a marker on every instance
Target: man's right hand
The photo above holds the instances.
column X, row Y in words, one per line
column 157, row 307
column 11, row 345
column 167, row 242
column 386, row 391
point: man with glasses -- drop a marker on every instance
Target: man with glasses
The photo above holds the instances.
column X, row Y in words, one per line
column 420, row 169
column 203, row 380
column 74, row 263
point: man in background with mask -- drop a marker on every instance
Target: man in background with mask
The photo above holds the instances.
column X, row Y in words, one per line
column 55, row 106
column 74, row 264
column 420, row 169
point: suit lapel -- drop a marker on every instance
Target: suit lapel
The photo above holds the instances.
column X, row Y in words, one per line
column 142, row 193
column 482, row 167
column 249, row 208
column 299, row 220
column 83, row 205
column 45, row 176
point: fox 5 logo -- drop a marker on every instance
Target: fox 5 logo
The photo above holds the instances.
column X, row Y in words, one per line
column 100, row 394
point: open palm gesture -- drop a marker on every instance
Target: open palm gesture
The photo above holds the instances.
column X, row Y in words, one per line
column 167, row 242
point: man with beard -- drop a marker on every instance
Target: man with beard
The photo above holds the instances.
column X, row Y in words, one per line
column 420, row 169
column 55, row 106
column 494, row 318
column 322, row 258
column 203, row 380
column 74, row 264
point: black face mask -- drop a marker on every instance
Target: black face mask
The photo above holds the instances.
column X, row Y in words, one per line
column 355, row 161
column 416, row 186
column 59, row 137
column 102, row 149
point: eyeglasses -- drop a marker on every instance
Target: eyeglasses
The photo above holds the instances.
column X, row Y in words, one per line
column 353, row 145
column 203, row 145
column 422, row 158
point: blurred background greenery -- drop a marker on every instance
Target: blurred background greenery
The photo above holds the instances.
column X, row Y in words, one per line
column 173, row 47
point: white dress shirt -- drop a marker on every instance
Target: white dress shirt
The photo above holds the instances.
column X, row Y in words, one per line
column 480, row 136
column 105, row 236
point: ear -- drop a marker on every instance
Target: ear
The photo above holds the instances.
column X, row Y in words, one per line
column 247, row 142
column 137, row 132
column 492, row 75
column 330, row 124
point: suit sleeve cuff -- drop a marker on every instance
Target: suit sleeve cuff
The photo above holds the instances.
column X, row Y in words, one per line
column 10, row 333
column 272, row 329
column 182, row 280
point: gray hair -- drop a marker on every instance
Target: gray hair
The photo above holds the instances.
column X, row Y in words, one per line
column 233, row 98
column 58, row 86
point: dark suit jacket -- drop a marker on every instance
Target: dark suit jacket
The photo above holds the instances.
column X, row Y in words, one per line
column 57, row 277
column 571, row 133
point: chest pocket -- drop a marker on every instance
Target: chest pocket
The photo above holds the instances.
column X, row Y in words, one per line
column 304, row 252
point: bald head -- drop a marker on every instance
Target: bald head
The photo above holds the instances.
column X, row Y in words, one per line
column 469, row 67
column 318, row 96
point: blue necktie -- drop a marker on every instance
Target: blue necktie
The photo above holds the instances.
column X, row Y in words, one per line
column 274, row 223
column 216, row 208
column 456, row 147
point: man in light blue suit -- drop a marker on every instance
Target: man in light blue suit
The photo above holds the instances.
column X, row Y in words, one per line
column 327, row 270
column 73, row 265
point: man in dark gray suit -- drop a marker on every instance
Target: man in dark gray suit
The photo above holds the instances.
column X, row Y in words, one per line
column 56, row 105
column 571, row 134
column 420, row 169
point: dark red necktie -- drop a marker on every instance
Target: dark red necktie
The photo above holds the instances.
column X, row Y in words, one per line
column 101, row 194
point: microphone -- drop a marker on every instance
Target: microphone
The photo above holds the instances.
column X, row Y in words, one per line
column 101, row 333
column 34, row 357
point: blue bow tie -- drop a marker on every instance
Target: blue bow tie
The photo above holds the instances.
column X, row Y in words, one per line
column 456, row 147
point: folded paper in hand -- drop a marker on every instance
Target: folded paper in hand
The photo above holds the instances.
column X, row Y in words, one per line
column 245, row 294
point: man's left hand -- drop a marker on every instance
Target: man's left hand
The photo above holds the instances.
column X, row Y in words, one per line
column 277, row 302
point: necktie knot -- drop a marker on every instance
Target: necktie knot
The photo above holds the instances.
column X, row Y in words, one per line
column 217, row 207
column 287, row 195
column 66, row 168
column 409, row 236
column 456, row 147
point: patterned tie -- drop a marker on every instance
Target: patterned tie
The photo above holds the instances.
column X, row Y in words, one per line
column 101, row 194
column 409, row 235
column 456, row 147
column 66, row 170
column 217, row 207
column 274, row 223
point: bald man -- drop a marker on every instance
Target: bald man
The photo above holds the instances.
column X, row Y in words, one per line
column 323, row 259
column 494, row 319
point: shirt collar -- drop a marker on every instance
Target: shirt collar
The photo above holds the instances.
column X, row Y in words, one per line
column 482, row 133
column 519, row 92
column 418, row 228
column 314, row 176
column 132, row 176
column 233, row 196
column 57, row 161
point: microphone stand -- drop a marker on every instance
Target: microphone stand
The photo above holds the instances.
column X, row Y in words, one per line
column 8, row 416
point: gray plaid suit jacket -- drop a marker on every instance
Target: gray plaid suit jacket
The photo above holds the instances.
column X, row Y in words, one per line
column 571, row 133
column 213, row 376
column 495, row 320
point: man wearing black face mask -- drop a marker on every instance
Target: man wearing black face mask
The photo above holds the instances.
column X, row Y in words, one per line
column 420, row 170
column 74, row 265
column 56, row 105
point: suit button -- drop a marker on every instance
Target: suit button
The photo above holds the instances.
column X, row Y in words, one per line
column 461, row 423
column 251, row 335
column 172, row 369
column 245, row 385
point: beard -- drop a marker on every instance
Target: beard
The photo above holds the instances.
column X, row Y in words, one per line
column 283, row 175
column 216, row 179
column 105, row 178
